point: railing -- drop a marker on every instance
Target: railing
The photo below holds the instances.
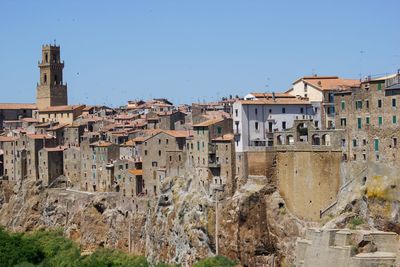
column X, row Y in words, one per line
column 393, row 81
column 212, row 149
column 322, row 212
column 214, row 164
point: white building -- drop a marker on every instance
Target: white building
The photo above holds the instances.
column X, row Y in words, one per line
column 257, row 116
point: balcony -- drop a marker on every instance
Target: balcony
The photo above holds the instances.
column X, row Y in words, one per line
column 214, row 164
column 212, row 149
column 217, row 187
column 393, row 83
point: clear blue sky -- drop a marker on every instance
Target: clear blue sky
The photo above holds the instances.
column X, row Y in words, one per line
column 193, row 50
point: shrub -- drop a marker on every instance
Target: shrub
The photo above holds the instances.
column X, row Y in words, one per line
column 219, row 261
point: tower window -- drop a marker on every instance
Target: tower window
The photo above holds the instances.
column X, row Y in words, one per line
column 55, row 79
column 45, row 78
column 46, row 57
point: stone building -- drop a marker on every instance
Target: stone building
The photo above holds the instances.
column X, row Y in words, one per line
column 223, row 148
column 99, row 166
column 21, row 152
column 51, row 91
column 320, row 92
column 202, row 152
column 72, row 166
column 73, row 134
column 369, row 114
column 158, row 151
column 50, row 164
column 13, row 112
column 61, row 114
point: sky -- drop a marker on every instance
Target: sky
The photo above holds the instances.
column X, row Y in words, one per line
column 190, row 51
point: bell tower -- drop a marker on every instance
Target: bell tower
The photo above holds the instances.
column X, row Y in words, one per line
column 50, row 90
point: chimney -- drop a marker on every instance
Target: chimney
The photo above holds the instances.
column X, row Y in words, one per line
column 273, row 96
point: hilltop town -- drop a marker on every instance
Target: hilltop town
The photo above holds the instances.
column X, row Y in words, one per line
column 266, row 178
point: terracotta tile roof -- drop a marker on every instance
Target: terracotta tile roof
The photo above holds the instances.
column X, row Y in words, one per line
column 225, row 137
column 136, row 172
column 57, row 127
column 177, row 134
column 101, row 144
column 56, row 149
column 135, row 140
column 62, row 108
column 330, row 82
column 270, row 95
column 33, row 120
column 208, row 122
column 39, row 136
column 277, row 101
column 17, row 106
column 7, row 139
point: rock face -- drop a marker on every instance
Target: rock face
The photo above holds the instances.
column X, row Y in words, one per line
column 254, row 226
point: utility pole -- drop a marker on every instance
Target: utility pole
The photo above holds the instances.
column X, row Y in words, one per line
column 130, row 232
column 216, row 222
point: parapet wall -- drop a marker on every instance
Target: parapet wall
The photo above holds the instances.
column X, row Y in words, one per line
column 334, row 247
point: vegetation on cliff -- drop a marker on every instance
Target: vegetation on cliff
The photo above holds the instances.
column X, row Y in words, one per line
column 50, row 248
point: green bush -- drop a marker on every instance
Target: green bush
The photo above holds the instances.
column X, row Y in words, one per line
column 219, row 261
column 113, row 258
column 355, row 221
column 52, row 249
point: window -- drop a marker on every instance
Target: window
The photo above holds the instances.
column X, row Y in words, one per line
column 394, row 119
column 166, row 141
column 367, row 120
column 256, row 112
column 394, row 139
column 379, row 86
column 343, row 105
column 393, row 102
column 159, row 141
column 159, row 153
column 284, row 125
column 236, row 112
column 301, row 110
column 367, row 103
column 219, row 130
column 154, row 164
column 379, row 103
column 305, row 87
column 198, row 146
column 354, row 142
column 364, row 142
column 343, row 122
column 358, row 104
column 359, row 124
column 256, row 126
column 145, row 152
column 376, row 144
column 283, row 110
column 380, row 120
column 270, row 111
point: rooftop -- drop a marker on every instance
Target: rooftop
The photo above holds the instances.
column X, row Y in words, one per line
column 17, row 106
column 276, row 101
column 62, row 108
column 208, row 122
